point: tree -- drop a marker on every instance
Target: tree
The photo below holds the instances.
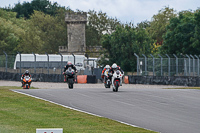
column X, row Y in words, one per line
column 196, row 38
column 144, row 24
column 11, row 31
column 98, row 24
column 158, row 24
column 123, row 43
column 182, row 35
column 45, row 34
column 27, row 9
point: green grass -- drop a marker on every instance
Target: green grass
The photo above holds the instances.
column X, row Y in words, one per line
column 23, row 114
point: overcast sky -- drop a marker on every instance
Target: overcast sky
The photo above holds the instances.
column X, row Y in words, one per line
column 134, row 11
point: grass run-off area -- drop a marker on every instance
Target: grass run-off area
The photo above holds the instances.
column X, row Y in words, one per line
column 23, row 114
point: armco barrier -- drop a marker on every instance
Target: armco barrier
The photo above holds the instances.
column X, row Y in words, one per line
column 91, row 79
column 131, row 79
column 97, row 72
column 36, row 77
column 165, row 80
column 81, row 79
column 9, row 76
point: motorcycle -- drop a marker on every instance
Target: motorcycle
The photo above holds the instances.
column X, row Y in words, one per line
column 106, row 80
column 70, row 75
column 116, row 80
column 26, row 82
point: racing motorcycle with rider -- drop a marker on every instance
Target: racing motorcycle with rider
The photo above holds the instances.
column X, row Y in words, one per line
column 115, row 75
column 26, row 80
column 104, row 76
column 69, row 73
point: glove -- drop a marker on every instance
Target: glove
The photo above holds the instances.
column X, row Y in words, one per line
column 63, row 73
column 76, row 71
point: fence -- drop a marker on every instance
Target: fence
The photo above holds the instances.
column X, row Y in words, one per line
column 9, row 64
column 162, row 65
column 168, row 66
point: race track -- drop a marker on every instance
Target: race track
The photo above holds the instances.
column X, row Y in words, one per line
column 146, row 106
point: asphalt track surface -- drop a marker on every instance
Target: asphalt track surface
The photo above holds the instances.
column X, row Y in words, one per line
column 146, row 106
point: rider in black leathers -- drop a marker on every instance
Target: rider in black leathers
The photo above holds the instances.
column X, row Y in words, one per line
column 69, row 64
column 26, row 73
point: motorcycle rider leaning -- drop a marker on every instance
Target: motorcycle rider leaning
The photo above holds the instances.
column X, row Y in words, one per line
column 113, row 68
column 107, row 67
column 69, row 64
column 26, row 73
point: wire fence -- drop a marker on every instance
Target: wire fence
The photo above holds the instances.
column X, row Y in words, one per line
column 146, row 66
column 47, row 64
column 168, row 66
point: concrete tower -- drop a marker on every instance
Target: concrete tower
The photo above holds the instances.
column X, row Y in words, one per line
column 76, row 32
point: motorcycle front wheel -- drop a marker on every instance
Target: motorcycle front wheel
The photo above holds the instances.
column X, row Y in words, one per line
column 116, row 86
column 70, row 83
column 27, row 86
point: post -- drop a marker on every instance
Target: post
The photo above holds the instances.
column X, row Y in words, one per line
column 153, row 64
column 193, row 64
column 61, row 63
column 93, row 68
column 34, row 62
column 161, row 69
column 168, row 64
column 189, row 63
column 185, row 67
column 197, row 64
column 74, row 58
column 47, row 62
column 145, row 63
column 137, row 63
column 86, row 55
column 176, row 64
column 20, row 62
column 6, row 60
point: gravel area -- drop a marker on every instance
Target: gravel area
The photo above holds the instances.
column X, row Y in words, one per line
column 53, row 85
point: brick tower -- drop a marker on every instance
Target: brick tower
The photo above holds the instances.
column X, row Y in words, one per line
column 76, row 32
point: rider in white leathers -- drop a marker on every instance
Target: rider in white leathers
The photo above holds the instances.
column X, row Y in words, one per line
column 113, row 68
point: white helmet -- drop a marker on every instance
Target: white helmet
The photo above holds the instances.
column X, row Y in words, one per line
column 107, row 66
column 114, row 66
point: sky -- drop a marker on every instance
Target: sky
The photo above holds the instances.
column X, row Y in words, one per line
column 134, row 11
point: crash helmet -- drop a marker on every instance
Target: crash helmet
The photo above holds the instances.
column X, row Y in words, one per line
column 26, row 72
column 114, row 66
column 69, row 63
column 107, row 66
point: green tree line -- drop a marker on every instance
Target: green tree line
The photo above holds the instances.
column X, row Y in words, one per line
column 39, row 27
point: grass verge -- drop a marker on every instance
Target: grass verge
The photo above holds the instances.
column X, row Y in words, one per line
column 23, row 114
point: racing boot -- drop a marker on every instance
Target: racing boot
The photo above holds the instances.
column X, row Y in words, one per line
column 64, row 78
column 22, row 84
column 74, row 78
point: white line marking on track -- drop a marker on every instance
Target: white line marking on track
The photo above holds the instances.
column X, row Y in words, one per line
column 74, row 108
